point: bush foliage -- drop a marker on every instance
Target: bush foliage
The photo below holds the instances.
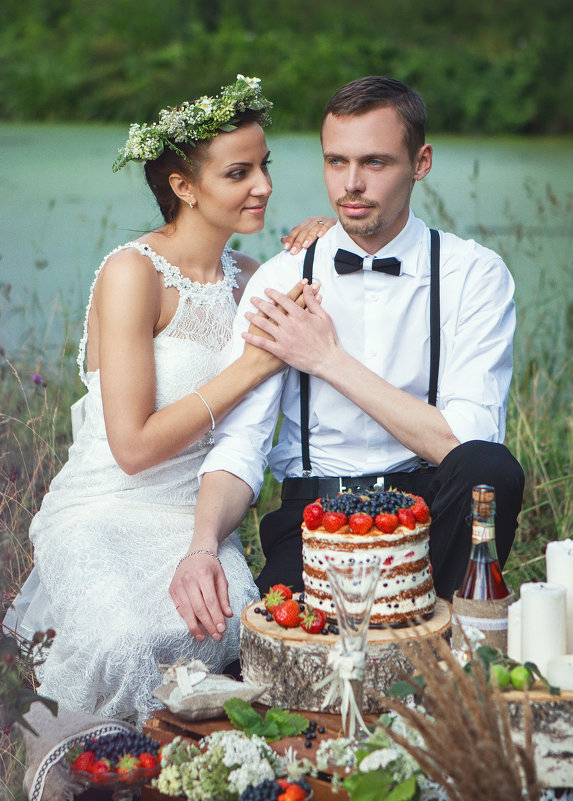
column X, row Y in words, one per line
column 493, row 67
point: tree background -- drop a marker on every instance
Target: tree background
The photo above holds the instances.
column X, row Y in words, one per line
column 497, row 66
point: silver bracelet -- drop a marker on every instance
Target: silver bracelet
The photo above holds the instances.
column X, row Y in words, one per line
column 210, row 437
column 201, row 550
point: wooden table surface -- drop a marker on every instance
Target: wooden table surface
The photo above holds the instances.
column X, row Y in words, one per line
column 164, row 726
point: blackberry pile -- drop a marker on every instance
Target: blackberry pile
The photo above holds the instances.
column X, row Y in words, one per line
column 377, row 502
column 267, row 790
column 114, row 746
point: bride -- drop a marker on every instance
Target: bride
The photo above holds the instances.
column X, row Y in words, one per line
column 118, row 519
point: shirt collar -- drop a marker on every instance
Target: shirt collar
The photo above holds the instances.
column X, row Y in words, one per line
column 404, row 247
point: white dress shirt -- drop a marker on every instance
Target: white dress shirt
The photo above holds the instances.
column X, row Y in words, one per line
column 384, row 322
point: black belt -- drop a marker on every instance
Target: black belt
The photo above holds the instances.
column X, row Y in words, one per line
column 312, row 487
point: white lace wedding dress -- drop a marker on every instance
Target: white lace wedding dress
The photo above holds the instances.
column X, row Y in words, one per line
column 106, row 544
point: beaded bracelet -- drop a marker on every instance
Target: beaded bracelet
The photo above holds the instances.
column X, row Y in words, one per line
column 210, row 437
column 201, row 550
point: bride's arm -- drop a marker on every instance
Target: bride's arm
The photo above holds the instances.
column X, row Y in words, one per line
column 127, row 303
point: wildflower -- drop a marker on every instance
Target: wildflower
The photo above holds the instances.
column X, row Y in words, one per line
column 37, row 379
column 252, row 82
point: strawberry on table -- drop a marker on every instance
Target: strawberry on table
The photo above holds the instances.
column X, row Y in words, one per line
column 360, row 523
column 126, row 765
column 294, row 792
column 287, row 614
column 148, row 761
column 312, row 620
column 84, row 761
column 101, row 768
column 312, row 515
column 276, row 595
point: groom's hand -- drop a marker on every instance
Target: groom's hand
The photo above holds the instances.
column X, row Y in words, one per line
column 200, row 593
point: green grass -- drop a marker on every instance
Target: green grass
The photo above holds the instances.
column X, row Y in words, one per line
column 35, row 433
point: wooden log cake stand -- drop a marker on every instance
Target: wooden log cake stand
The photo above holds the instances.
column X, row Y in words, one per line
column 290, row 662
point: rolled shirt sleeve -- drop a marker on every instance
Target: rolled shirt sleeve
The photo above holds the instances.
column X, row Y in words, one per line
column 478, row 350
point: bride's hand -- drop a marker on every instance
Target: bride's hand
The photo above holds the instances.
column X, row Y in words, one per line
column 200, row 593
column 304, row 234
column 303, row 338
column 271, row 363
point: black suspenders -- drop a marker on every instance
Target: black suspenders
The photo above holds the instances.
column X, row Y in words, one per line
column 434, row 341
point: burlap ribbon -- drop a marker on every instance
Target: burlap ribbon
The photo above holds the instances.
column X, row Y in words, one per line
column 490, row 617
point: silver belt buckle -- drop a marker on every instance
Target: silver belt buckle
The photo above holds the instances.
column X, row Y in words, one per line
column 378, row 485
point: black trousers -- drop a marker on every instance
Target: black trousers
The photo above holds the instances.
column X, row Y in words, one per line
column 447, row 491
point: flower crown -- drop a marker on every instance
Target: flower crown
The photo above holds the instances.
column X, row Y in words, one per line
column 190, row 122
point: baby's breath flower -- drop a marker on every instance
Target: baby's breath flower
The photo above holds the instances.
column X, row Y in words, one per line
column 378, row 759
column 192, row 122
column 252, row 82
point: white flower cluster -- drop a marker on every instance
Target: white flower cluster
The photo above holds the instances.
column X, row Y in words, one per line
column 340, row 752
column 191, row 122
column 221, row 769
column 256, row 760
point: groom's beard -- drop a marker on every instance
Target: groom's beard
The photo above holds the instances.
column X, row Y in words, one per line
column 357, row 226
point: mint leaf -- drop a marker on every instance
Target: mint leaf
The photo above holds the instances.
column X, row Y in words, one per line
column 278, row 722
column 404, row 791
column 371, row 786
column 243, row 716
column 287, row 723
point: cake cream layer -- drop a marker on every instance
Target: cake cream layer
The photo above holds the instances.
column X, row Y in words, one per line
column 405, row 589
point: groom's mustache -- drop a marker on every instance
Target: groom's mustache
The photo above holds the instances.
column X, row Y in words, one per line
column 355, row 197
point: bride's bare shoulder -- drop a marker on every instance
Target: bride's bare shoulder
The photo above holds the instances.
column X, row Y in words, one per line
column 247, row 265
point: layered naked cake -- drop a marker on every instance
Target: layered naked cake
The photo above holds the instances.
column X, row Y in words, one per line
column 391, row 524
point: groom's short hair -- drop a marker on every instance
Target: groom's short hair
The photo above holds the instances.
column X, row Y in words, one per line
column 377, row 91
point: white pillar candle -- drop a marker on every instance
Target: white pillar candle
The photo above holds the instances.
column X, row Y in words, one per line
column 559, row 566
column 514, row 631
column 560, row 672
column 543, row 622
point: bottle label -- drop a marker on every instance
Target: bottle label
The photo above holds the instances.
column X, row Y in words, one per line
column 482, row 532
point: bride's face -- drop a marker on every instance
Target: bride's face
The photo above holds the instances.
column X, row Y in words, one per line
column 233, row 183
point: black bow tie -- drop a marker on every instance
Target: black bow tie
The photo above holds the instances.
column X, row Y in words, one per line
column 346, row 262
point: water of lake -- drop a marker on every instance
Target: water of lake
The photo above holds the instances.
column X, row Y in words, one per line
column 62, row 209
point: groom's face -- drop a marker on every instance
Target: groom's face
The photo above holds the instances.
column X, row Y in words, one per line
column 369, row 174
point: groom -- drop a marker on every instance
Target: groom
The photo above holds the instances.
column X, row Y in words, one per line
column 398, row 394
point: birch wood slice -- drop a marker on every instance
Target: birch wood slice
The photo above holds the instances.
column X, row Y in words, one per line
column 552, row 732
column 292, row 661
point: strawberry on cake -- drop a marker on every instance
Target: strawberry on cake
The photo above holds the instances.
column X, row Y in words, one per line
column 389, row 523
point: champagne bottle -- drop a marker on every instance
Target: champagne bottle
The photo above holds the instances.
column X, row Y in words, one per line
column 483, row 580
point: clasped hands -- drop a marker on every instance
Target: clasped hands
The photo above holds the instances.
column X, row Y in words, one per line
column 300, row 334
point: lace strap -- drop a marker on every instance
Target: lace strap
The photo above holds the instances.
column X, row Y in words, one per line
column 84, row 340
column 171, row 276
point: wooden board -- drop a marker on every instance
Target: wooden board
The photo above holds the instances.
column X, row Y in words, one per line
column 290, row 662
column 164, row 726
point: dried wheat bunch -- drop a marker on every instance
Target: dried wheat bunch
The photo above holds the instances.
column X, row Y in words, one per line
column 468, row 749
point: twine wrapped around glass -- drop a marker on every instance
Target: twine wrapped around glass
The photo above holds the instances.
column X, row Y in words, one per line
column 353, row 579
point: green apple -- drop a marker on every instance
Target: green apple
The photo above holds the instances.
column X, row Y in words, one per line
column 500, row 674
column 521, row 677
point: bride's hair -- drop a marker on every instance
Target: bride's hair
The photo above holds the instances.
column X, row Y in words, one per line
column 157, row 171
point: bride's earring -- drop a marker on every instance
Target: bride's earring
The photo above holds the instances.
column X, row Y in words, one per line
column 190, row 205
